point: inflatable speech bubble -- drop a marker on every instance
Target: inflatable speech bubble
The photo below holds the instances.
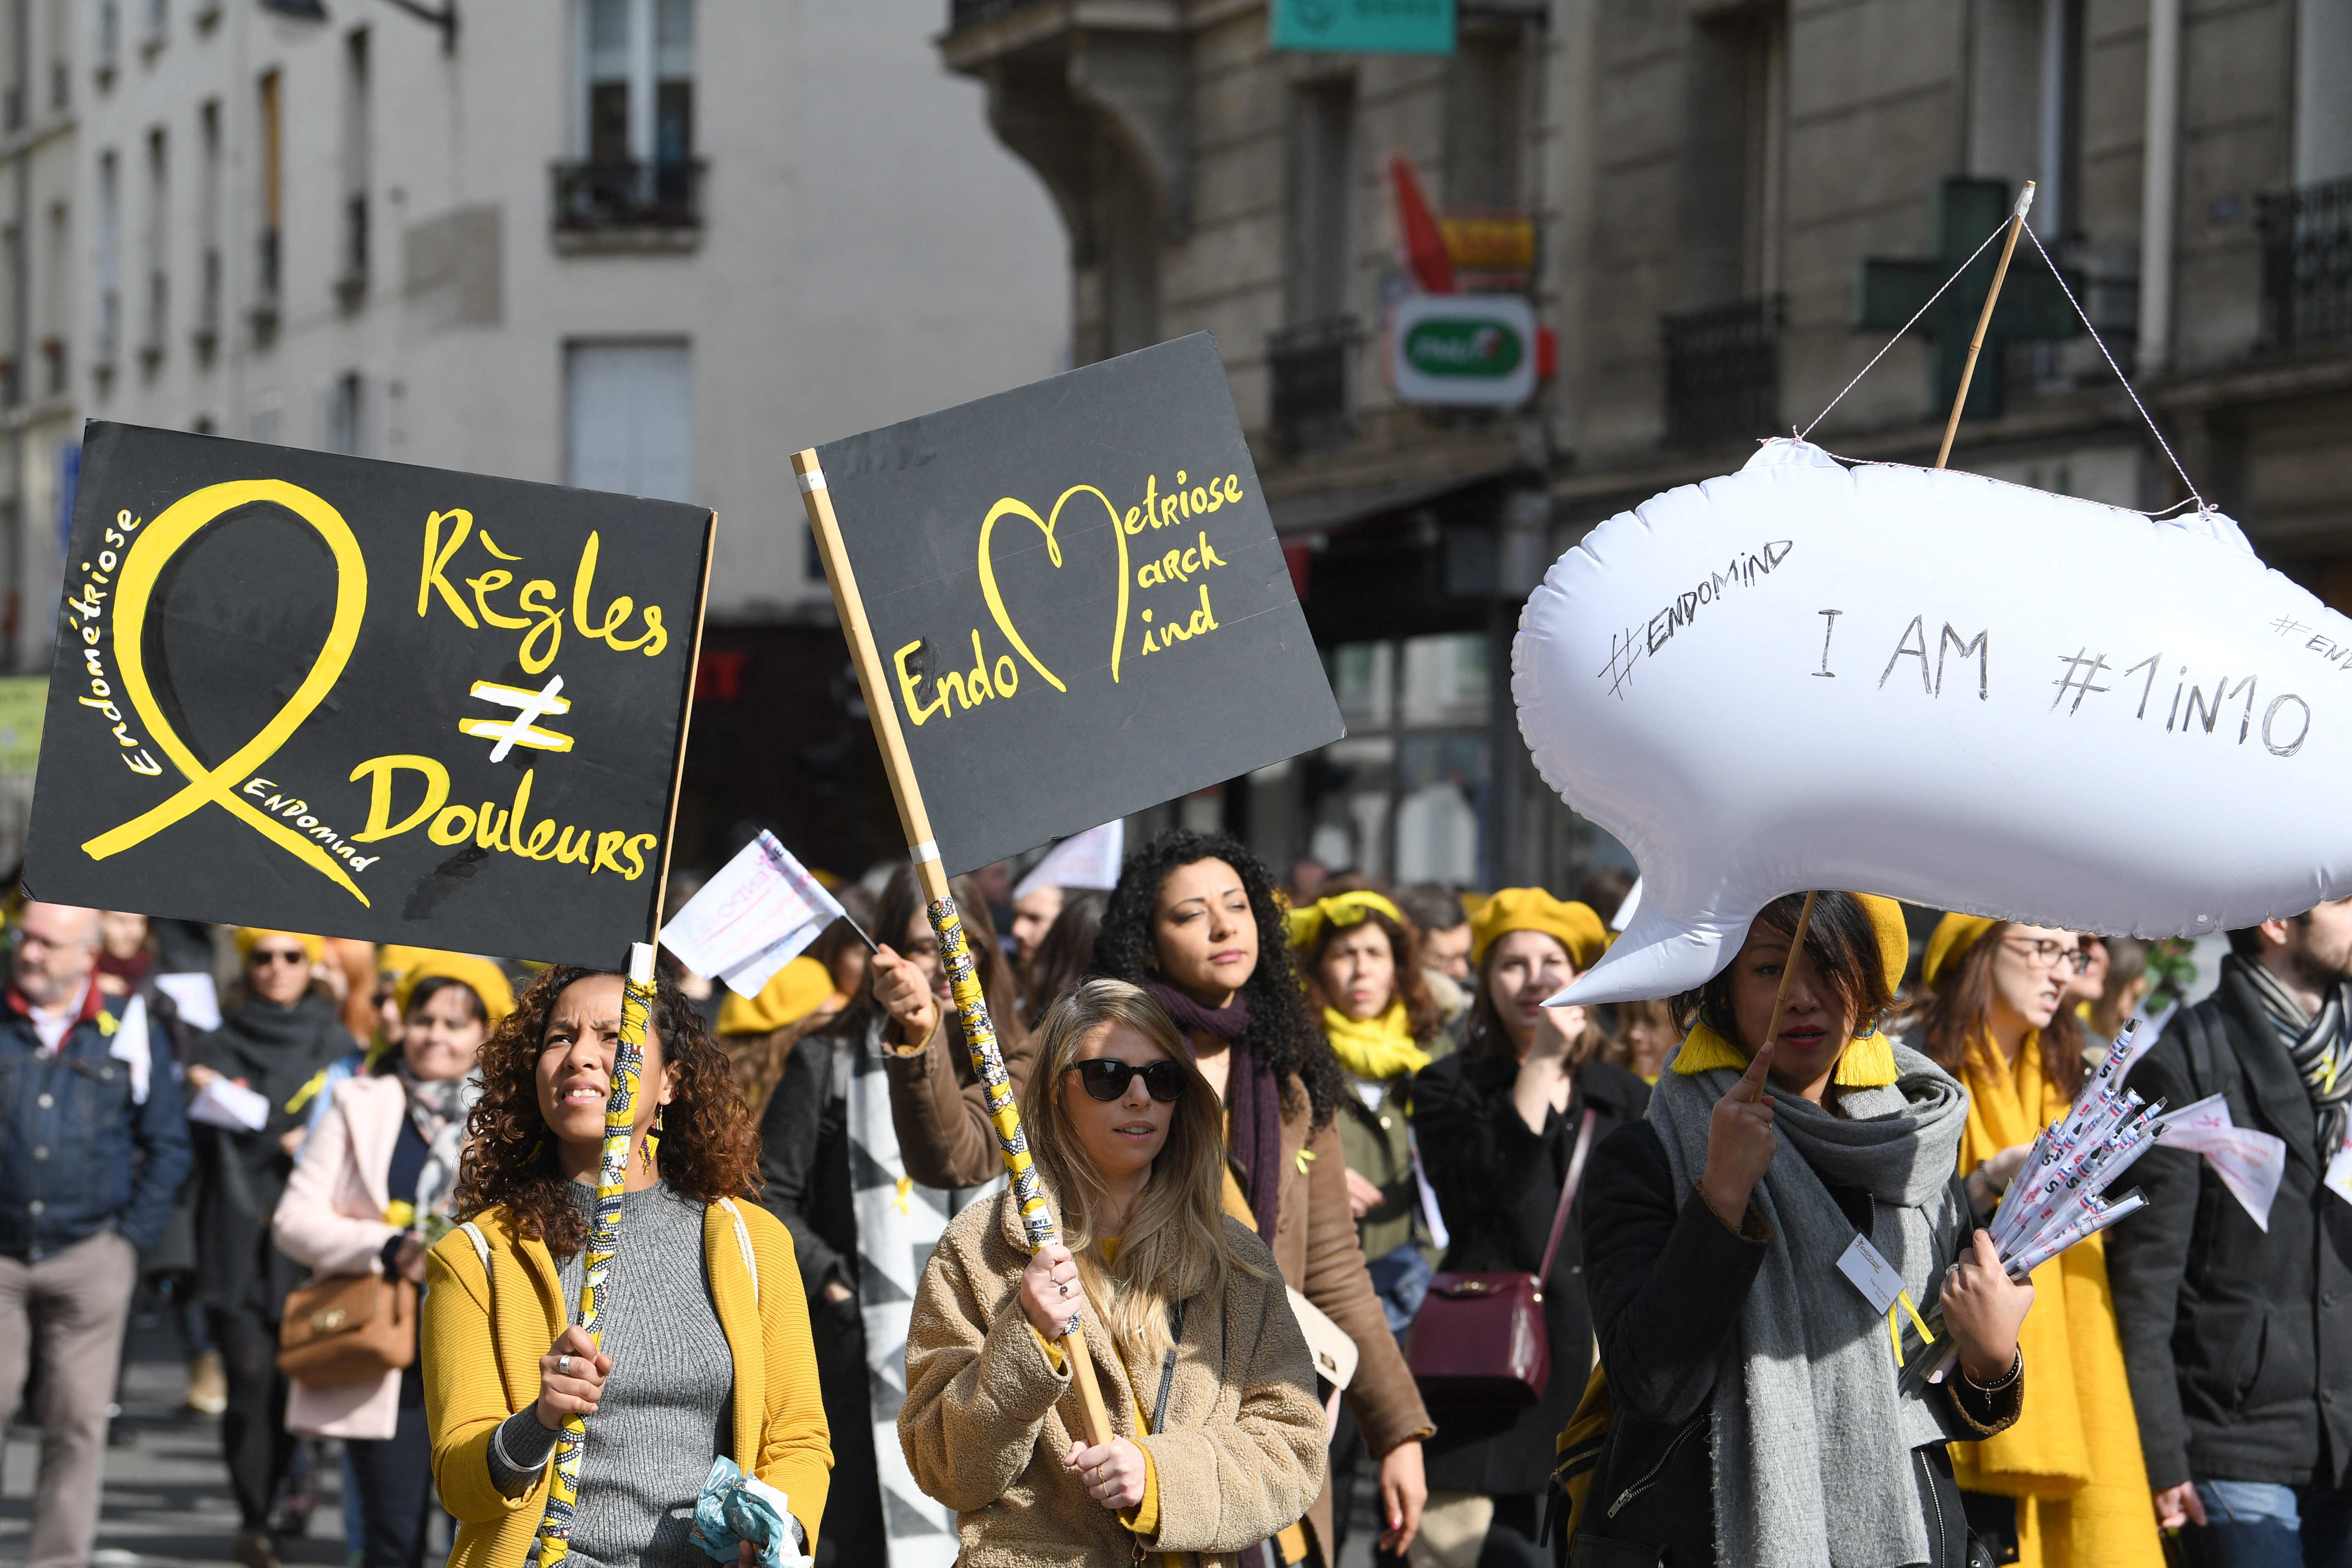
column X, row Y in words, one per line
column 1941, row 688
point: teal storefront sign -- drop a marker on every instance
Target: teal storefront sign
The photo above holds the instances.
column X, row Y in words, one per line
column 1365, row 27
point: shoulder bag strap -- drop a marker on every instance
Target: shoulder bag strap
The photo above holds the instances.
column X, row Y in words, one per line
column 1568, row 1189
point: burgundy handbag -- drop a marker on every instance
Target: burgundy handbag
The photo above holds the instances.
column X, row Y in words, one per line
column 1479, row 1339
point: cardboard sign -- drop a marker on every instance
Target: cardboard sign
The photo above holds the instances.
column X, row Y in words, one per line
column 1077, row 599
column 366, row 700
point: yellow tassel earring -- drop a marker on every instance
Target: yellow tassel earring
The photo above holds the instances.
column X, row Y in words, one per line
column 652, row 1146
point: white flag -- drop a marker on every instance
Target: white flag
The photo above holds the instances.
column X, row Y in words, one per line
column 1088, row 859
column 751, row 918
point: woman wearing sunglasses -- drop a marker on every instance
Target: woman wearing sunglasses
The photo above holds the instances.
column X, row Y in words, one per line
column 1193, row 921
column 1219, row 1442
column 2067, row 1483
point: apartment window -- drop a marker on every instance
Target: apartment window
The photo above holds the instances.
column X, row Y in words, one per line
column 343, row 414
column 55, row 296
column 60, row 66
column 1486, row 122
column 109, row 40
column 628, row 410
column 636, row 166
column 109, row 262
column 206, row 332
column 1312, row 358
column 155, row 249
column 266, row 278
column 158, row 16
column 351, row 285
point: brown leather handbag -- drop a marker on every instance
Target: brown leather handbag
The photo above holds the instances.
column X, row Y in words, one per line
column 346, row 1328
column 1479, row 1339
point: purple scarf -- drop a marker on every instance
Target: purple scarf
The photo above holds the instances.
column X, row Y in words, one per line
column 1253, row 1098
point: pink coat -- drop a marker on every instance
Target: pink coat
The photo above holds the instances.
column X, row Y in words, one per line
column 331, row 1220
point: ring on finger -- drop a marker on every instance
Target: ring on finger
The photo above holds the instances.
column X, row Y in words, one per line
column 564, row 1366
column 1063, row 1289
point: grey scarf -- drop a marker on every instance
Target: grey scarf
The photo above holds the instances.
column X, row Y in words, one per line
column 1812, row 1443
column 2321, row 1048
column 437, row 1109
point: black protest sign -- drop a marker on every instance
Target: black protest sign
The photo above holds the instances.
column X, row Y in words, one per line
column 365, row 699
column 1078, row 599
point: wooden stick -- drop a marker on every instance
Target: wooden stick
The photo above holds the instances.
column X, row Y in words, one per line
column 1984, row 319
column 971, row 1002
column 1788, row 971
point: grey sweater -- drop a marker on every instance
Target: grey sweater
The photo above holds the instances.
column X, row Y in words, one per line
column 667, row 1407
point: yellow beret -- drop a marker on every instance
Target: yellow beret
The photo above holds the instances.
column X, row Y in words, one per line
column 250, row 936
column 1955, row 934
column 485, row 979
column 1341, row 909
column 791, row 994
column 1531, row 909
column 1893, row 936
column 391, row 958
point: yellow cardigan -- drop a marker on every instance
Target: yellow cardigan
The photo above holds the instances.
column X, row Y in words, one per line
column 483, row 1337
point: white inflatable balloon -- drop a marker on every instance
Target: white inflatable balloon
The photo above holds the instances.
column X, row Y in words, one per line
column 1941, row 688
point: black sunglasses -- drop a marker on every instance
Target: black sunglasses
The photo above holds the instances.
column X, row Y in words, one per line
column 1106, row 1078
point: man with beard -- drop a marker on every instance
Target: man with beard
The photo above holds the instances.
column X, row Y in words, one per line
column 2238, row 1338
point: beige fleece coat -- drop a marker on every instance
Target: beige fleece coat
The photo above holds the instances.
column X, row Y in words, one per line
column 987, row 1418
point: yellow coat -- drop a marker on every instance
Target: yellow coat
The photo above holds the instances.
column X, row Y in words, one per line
column 2073, row 1461
column 482, row 1340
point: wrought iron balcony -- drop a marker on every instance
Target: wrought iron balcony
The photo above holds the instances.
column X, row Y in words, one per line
column 2306, row 266
column 1723, row 372
column 1313, row 370
column 629, row 197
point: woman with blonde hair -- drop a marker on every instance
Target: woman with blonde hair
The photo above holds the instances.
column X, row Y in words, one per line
column 2068, row 1483
column 1219, row 1439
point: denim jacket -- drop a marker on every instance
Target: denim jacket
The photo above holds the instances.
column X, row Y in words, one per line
column 77, row 1155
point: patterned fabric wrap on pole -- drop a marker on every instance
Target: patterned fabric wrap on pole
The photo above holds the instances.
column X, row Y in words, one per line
column 988, row 1063
column 603, row 1237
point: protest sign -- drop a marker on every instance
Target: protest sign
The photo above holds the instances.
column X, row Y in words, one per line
column 1088, row 859
column 1803, row 676
column 1078, row 599
column 753, row 917
column 365, row 699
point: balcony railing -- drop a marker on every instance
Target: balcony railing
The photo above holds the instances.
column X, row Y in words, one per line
column 1313, row 370
column 971, row 13
column 630, row 196
column 2306, row 266
column 1723, row 372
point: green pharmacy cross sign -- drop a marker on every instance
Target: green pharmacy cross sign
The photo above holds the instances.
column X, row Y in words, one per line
column 2032, row 307
column 1365, row 27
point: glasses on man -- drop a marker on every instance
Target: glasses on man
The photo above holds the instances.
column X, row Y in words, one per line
column 1107, row 1078
column 263, row 957
column 2048, row 952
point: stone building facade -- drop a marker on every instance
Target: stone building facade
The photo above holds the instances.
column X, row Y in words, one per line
column 1732, row 207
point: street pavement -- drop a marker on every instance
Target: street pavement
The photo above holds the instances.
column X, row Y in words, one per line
column 167, row 1497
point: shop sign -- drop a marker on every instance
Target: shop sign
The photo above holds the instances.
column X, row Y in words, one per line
column 1462, row 349
column 1365, row 27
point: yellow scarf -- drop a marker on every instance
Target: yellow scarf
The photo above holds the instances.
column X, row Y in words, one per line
column 1867, row 1063
column 1374, row 1049
column 2073, row 1461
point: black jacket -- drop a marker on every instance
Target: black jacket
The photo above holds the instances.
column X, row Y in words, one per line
column 804, row 1170
column 1666, row 1282
column 2238, row 1342
column 1498, row 1185
column 282, row 1053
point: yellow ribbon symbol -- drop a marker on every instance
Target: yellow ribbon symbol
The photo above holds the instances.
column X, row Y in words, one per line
column 178, row 523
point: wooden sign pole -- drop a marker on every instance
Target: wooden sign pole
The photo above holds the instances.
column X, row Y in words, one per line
column 972, row 1003
column 1984, row 319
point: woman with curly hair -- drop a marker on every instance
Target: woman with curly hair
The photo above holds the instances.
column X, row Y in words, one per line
column 1195, row 922
column 706, row 1342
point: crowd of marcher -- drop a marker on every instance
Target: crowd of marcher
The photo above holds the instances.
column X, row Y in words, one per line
column 1350, row 1225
